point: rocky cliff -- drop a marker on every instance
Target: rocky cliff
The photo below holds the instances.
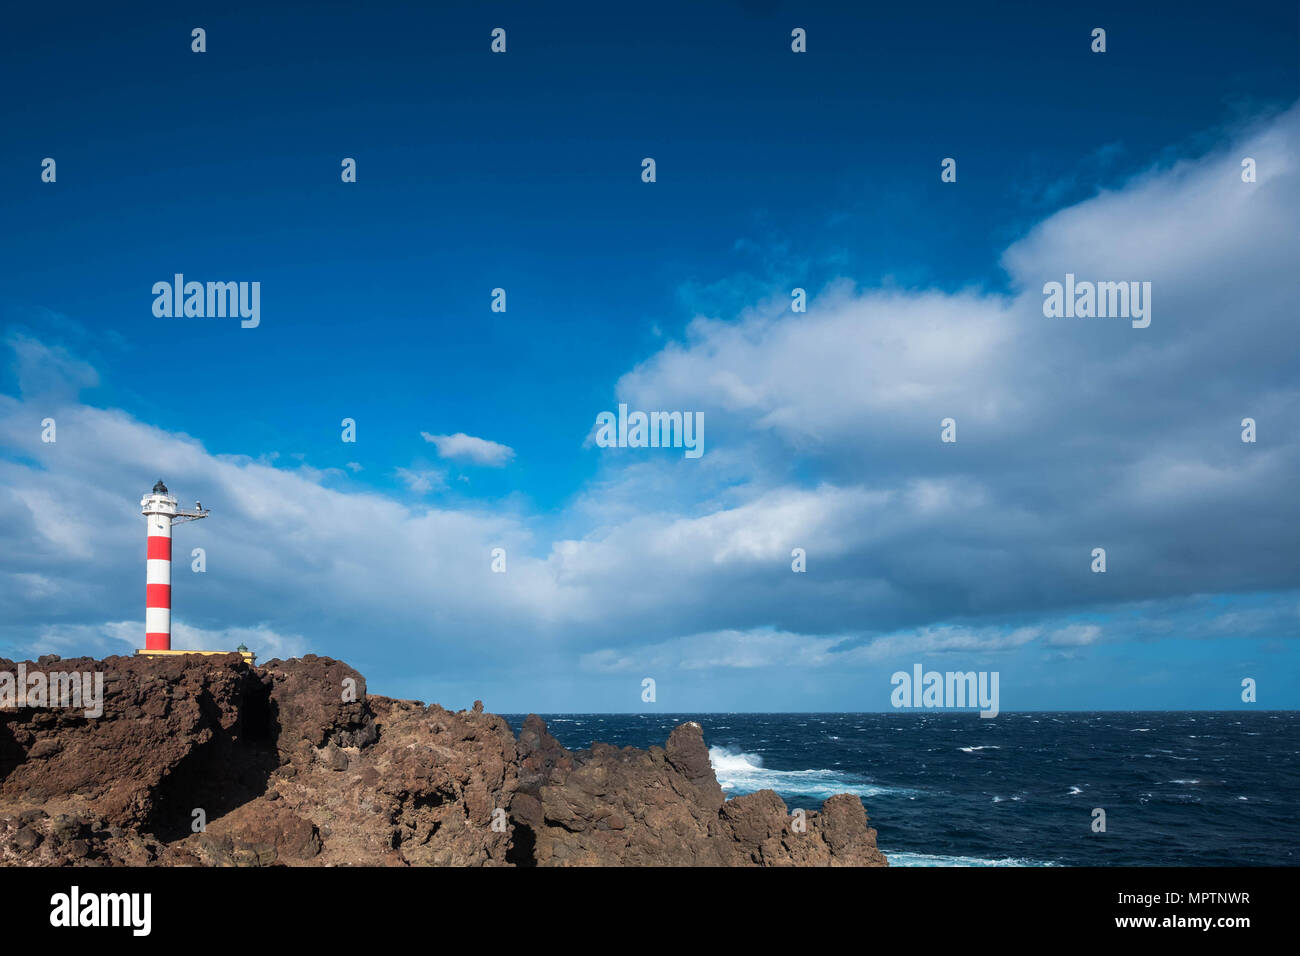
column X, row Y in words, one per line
column 210, row 761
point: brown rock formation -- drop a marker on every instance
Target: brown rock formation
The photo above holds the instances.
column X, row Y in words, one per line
column 663, row 807
column 210, row 761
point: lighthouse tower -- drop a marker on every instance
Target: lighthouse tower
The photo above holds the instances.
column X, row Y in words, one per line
column 161, row 512
column 159, row 508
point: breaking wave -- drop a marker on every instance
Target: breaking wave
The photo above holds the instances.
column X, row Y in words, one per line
column 740, row 772
column 932, row 859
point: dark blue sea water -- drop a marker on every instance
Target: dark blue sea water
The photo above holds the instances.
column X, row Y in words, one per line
column 950, row 789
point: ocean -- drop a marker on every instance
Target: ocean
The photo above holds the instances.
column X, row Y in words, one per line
column 952, row 789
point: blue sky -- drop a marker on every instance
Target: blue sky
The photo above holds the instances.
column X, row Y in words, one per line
column 774, row 170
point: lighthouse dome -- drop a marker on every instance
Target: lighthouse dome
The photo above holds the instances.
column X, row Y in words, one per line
column 160, row 488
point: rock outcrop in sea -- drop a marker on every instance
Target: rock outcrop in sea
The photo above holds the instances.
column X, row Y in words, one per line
column 211, row 761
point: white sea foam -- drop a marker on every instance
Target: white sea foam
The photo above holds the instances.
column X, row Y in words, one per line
column 971, row 750
column 740, row 772
column 933, row 859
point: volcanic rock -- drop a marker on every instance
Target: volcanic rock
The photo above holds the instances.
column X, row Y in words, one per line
column 212, row 761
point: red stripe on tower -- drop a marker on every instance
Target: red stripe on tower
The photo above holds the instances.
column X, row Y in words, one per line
column 157, row 595
column 160, row 548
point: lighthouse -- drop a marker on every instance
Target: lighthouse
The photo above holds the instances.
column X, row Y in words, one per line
column 161, row 513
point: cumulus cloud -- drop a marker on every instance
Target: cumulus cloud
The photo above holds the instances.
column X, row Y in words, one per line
column 767, row 648
column 1072, row 433
column 1075, row 635
column 123, row 637
column 824, row 435
column 478, row 451
column 421, row 480
column 48, row 371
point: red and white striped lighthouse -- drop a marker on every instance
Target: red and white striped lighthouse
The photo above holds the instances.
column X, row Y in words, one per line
column 160, row 511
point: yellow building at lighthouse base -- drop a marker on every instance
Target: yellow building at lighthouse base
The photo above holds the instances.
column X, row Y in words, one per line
column 246, row 655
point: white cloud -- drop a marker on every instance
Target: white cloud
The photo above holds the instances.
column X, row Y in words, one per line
column 1075, row 635
column 768, row 648
column 462, row 447
column 46, row 370
column 124, row 637
column 824, row 435
column 264, row 641
column 421, row 480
